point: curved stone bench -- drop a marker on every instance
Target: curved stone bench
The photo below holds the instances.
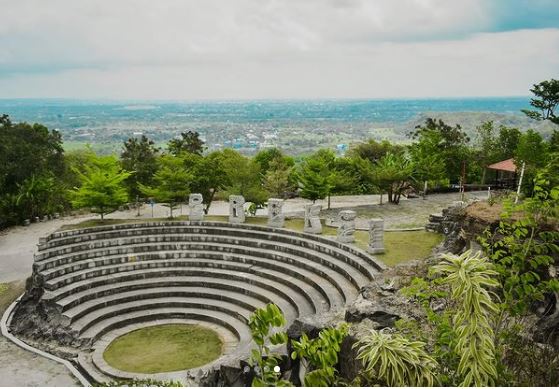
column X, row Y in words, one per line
column 104, row 281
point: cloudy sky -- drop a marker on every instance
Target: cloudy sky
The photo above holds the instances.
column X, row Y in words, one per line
column 243, row 49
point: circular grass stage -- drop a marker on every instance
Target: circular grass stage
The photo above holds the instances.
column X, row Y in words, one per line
column 164, row 348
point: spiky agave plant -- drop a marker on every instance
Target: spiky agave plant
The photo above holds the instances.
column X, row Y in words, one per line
column 471, row 278
column 393, row 360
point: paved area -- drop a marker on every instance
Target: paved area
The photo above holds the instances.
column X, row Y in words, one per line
column 23, row 368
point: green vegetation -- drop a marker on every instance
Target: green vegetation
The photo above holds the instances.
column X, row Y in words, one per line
column 38, row 178
column 102, row 188
column 163, row 348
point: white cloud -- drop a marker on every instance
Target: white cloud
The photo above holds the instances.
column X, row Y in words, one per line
column 265, row 48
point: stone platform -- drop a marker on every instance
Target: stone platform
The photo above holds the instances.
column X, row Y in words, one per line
column 91, row 285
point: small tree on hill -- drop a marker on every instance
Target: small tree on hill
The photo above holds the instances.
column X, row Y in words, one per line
column 313, row 179
column 189, row 142
column 171, row 183
column 102, row 187
column 140, row 157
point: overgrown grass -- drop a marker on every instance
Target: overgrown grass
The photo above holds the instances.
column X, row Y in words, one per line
column 400, row 246
column 9, row 292
column 164, row 348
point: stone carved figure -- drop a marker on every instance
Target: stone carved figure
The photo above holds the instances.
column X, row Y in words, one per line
column 312, row 219
column 196, row 206
column 236, row 209
column 275, row 216
column 346, row 229
column 376, row 236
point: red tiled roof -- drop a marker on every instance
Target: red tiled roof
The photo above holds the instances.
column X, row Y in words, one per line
column 507, row 165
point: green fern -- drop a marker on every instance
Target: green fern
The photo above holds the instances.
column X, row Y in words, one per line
column 393, row 360
column 471, row 278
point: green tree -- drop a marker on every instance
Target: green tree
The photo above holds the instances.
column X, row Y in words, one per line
column 277, row 180
column 208, row 175
column 272, row 157
column 393, row 174
column 545, row 101
column 30, row 155
column 244, row 177
column 140, row 157
column 171, row 182
column 312, row 177
column 507, row 142
column 102, row 187
column 447, row 142
column 373, row 150
column 189, row 142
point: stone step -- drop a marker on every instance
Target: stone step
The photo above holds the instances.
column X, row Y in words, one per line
column 242, row 300
column 345, row 280
column 239, row 328
column 227, row 235
column 285, row 287
column 266, row 294
column 188, row 242
column 231, row 309
column 316, row 286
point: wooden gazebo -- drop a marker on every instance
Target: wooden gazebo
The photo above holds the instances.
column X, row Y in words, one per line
column 505, row 173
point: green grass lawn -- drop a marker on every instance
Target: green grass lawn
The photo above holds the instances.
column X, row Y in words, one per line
column 400, row 246
column 164, row 348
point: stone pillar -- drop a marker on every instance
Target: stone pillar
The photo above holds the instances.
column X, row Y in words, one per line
column 346, row 229
column 312, row 219
column 196, row 206
column 376, row 236
column 275, row 216
column 236, row 209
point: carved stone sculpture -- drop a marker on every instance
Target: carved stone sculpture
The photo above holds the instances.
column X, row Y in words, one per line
column 376, row 236
column 312, row 219
column 236, row 209
column 346, row 229
column 275, row 216
column 196, row 206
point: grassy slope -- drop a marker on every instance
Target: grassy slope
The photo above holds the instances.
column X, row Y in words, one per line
column 164, row 348
column 400, row 246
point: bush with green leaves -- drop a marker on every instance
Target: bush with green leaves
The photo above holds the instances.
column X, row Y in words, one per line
column 319, row 356
column 393, row 360
column 264, row 326
column 523, row 245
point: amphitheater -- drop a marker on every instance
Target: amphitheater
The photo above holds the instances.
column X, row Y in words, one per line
column 91, row 285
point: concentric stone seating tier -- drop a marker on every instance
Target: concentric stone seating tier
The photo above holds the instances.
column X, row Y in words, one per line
column 103, row 280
